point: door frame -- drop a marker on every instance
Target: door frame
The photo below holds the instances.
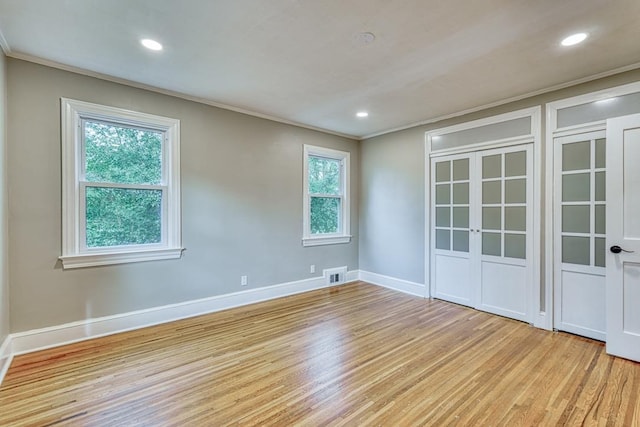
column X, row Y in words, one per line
column 538, row 312
column 553, row 131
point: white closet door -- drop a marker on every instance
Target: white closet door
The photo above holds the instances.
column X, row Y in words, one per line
column 451, row 240
column 481, row 225
column 504, row 243
column 579, row 230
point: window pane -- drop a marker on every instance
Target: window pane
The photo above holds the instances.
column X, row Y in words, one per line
column 492, row 192
column 576, row 156
column 443, row 171
column 442, row 194
column 515, row 191
column 601, row 187
column 118, row 216
column 324, row 176
column 460, row 169
column 461, row 241
column 515, row 246
column 491, row 244
column 515, row 164
column 600, row 252
column 491, row 218
column 461, row 217
column 576, row 188
column 325, row 215
column 118, row 154
column 515, row 218
column 576, row 219
column 443, row 217
column 601, row 219
column 461, row 193
column 575, row 250
column 492, row 166
column 601, row 153
column 442, row 239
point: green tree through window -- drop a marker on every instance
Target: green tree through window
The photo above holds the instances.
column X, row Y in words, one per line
column 325, row 191
column 118, row 158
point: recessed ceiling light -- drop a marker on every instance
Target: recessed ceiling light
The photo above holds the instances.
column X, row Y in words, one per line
column 574, row 39
column 151, row 44
column 362, row 114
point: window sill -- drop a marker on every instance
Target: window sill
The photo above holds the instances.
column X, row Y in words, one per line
column 97, row 259
column 319, row 241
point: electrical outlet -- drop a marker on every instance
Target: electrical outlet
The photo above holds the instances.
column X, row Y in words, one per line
column 312, row 269
column 244, row 280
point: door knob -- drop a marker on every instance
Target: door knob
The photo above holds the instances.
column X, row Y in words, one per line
column 617, row 249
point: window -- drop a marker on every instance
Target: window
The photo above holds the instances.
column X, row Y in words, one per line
column 120, row 186
column 326, row 196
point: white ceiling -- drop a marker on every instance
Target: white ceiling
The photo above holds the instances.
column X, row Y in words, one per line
column 300, row 60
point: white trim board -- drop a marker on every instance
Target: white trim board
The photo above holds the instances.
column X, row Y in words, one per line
column 400, row 285
column 68, row 333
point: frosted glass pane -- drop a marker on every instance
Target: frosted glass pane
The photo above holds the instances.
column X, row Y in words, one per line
column 575, row 250
column 576, row 219
column 515, row 218
column 491, row 132
column 601, row 187
column 491, row 192
column 491, row 244
column 599, row 110
column 460, row 169
column 601, row 219
column 442, row 217
column 443, row 196
column 600, row 252
column 443, row 171
column 442, row 239
column 515, row 191
column 576, row 156
column 515, row 164
column 461, row 217
column 491, row 219
column 630, row 179
column 576, row 188
column 492, row 166
column 461, row 193
column 461, row 241
column 601, row 153
column 515, row 246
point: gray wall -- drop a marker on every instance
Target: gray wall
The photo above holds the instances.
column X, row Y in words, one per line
column 392, row 191
column 241, row 192
column 4, row 263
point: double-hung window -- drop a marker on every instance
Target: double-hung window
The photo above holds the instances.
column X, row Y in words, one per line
column 326, row 196
column 120, row 186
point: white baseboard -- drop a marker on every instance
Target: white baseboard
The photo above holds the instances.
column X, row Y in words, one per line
column 6, row 356
column 40, row 339
column 400, row 285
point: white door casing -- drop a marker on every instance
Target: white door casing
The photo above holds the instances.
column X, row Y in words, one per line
column 623, row 231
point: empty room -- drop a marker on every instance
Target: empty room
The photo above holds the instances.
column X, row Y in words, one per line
column 319, row 213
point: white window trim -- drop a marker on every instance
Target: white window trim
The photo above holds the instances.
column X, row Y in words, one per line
column 344, row 235
column 74, row 252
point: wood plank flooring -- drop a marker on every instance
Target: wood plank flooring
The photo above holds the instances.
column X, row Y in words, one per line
column 353, row 355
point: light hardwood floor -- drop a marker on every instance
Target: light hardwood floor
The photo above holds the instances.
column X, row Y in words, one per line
column 351, row 355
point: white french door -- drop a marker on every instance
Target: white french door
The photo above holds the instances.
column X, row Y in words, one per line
column 481, row 230
column 580, row 233
column 623, row 237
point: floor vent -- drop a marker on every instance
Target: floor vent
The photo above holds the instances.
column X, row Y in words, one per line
column 335, row 276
